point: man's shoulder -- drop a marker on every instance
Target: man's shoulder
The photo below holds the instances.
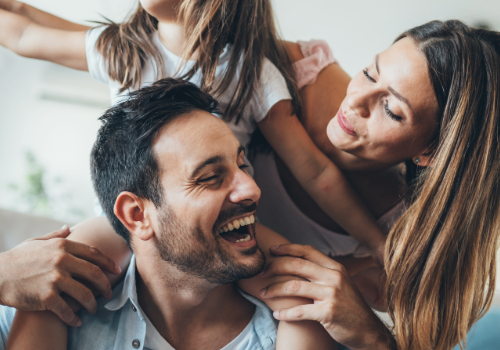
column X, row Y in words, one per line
column 102, row 329
column 263, row 325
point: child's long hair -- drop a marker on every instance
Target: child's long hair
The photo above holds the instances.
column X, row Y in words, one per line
column 209, row 26
column 441, row 255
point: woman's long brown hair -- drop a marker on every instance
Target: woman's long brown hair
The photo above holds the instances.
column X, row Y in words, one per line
column 248, row 25
column 441, row 255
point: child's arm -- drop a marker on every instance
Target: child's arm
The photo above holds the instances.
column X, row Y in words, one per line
column 28, row 39
column 43, row 329
column 291, row 335
column 40, row 17
column 324, row 181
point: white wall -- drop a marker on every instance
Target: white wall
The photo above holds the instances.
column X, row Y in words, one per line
column 358, row 29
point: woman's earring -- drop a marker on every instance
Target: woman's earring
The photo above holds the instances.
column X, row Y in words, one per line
column 416, row 160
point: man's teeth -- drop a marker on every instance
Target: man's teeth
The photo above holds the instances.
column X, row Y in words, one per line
column 246, row 239
column 236, row 224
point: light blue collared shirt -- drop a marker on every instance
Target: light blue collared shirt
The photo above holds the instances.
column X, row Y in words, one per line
column 120, row 324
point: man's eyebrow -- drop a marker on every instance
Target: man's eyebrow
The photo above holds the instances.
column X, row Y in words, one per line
column 392, row 91
column 241, row 149
column 213, row 160
column 209, row 161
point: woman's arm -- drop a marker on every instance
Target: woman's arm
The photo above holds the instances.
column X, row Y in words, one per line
column 33, row 274
column 317, row 174
column 41, row 330
column 291, row 335
column 28, row 39
column 320, row 101
column 41, row 17
column 338, row 305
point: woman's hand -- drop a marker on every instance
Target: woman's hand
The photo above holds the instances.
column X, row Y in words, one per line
column 338, row 305
column 370, row 283
column 36, row 272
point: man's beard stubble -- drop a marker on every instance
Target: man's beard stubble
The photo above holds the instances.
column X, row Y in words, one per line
column 192, row 252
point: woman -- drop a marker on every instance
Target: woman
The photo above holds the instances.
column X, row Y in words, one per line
column 438, row 82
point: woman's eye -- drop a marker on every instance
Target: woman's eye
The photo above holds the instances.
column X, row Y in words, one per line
column 390, row 114
column 365, row 72
column 244, row 166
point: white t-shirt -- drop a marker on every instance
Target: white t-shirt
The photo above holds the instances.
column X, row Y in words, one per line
column 244, row 341
column 154, row 340
column 270, row 89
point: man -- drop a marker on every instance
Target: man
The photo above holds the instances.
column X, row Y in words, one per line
column 171, row 178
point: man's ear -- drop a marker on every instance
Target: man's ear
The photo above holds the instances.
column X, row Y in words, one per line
column 133, row 213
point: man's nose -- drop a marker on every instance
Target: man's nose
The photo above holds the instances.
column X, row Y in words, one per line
column 244, row 189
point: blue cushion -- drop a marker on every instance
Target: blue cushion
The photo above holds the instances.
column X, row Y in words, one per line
column 485, row 334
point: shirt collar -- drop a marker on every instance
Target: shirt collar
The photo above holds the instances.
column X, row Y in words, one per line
column 128, row 291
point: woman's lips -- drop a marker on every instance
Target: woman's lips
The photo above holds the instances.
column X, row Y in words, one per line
column 344, row 123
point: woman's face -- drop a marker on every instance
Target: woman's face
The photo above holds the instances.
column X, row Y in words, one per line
column 390, row 112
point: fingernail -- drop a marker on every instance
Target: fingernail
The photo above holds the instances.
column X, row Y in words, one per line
column 118, row 270
column 276, row 314
column 64, row 227
column 79, row 323
column 274, row 247
column 263, row 291
column 109, row 295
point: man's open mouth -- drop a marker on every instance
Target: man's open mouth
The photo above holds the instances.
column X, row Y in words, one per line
column 239, row 230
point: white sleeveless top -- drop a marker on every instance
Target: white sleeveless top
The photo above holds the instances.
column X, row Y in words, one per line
column 278, row 212
column 269, row 90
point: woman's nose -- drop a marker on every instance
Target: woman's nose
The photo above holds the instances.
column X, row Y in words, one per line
column 359, row 101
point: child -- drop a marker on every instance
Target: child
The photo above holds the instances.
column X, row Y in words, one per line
column 228, row 49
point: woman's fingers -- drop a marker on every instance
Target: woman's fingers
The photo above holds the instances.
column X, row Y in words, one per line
column 304, row 269
column 58, row 306
column 89, row 272
column 309, row 253
column 292, row 266
column 92, row 255
column 63, row 232
column 298, row 289
column 79, row 292
column 299, row 313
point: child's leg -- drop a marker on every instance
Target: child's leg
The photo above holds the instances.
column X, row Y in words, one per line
column 303, row 335
column 37, row 330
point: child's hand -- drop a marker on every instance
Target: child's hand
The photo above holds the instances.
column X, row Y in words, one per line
column 370, row 283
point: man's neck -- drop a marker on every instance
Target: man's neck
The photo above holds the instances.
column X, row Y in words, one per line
column 187, row 311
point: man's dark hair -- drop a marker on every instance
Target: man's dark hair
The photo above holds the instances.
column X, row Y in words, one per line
column 122, row 158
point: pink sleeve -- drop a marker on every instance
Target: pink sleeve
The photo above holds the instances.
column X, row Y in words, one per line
column 317, row 55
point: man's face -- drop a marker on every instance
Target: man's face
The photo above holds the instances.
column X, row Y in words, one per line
column 208, row 194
